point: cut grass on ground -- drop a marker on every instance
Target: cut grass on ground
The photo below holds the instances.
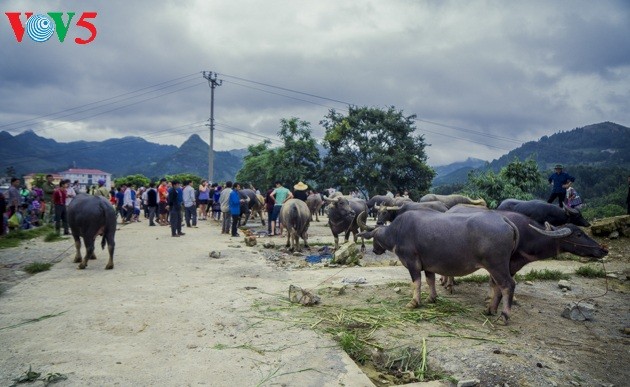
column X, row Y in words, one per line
column 37, row 267
column 544, row 274
column 14, row 238
column 590, row 272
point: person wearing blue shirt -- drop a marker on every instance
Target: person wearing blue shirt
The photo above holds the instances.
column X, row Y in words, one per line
column 174, row 204
column 560, row 181
column 235, row 207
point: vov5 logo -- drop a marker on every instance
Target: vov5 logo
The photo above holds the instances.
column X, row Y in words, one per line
column 41, row 27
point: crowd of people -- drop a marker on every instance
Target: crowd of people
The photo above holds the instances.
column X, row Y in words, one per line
column 174, row 203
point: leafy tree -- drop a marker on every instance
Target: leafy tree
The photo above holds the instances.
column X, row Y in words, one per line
column 258, row 166
column 135, row 180
column 375, row 150
column 181, row 177
column 517, row 180
column 297, row 160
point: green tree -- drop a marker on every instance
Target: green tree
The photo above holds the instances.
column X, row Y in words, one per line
column 374, row 150
column 132, row 180
column 296, row 160
column 38, row 180
column 258, row 166
column 517, row 180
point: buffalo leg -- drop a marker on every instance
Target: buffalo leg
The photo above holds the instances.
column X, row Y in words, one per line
column 416, row 279
column 110, row 249
column 305, row 238
column 431, row 282
column 77, row 246
column 503, row 288
column 89, row 247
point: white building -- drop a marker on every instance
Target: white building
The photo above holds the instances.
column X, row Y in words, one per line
column 87, row 177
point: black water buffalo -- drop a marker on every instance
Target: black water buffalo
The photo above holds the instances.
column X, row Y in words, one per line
column 252, row 204
column 543, row 212
column 533, row 246
column 452, row 200
column 89, row 216
column 296, row 217
column 342, row 217
column 314, row 202
column 450, row 244
column 389, row 213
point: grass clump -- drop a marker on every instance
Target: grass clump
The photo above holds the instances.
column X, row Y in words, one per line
column 590, row 272
column 14, row 238
column 37, row 267
column 544, row 274
column 52, row 236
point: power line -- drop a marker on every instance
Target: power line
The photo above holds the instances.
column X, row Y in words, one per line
column 98, row 102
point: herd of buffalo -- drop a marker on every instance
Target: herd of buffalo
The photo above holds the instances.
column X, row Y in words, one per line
column 450, row 235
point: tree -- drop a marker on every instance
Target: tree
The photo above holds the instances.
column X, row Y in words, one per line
column 181, row 177
column 517, row 180
column 297, row 160
column 374, row 150
column 257, row 166
column 132, row 180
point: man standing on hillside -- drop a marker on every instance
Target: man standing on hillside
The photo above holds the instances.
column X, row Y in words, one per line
column 560, row 181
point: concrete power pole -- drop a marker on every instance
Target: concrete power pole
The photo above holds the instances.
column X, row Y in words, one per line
column 212, row 81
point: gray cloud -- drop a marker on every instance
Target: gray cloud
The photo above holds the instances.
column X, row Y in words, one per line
column 499, row 71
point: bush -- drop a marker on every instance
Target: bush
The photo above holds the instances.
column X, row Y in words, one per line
column 37, row 267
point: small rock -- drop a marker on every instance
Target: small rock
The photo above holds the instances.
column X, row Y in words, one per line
column 611, row 275
column 397, row 290
column 269, row 245
column 393, row 262
column 297, row 254
column 626, row 331
column 564, row 284
column 578, row 312
column 573, row 382
column 191, row 346
column 354, row 281
column 554, row 384
column 530, row 283
column 468, row 383
column 215, row 254
column 614, row 235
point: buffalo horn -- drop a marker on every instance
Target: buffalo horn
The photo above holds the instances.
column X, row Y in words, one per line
column 479, row 202
column 392, row 208
column 570, row 210
column 326, row 198
column 363, row 225
column 550, row 232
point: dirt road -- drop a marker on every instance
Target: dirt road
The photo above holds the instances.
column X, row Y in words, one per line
column 168, row 314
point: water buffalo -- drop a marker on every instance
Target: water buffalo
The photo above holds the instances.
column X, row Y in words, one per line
column 543, row 212
column 342, row 217
column 296, row 217
column 452, row 200
column 253, row 204
column 89, row 216
column 533, row 246
column 453, row 245
column 314, row 202
column 389, row 213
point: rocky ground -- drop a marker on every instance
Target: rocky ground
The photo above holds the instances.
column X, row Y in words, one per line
column 170, row 314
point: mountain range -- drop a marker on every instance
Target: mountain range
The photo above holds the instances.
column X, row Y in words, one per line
column 595, row 145
column 598, row 145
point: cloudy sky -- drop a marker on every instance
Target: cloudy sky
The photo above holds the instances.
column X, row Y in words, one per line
column 482, row 77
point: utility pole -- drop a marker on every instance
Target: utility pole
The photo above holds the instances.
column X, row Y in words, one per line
column 212, row 82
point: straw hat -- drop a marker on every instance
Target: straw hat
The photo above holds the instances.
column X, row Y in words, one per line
column 300, row 186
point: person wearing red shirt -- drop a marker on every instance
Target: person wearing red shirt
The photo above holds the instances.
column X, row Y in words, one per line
column 59, row 201
column 162, row 196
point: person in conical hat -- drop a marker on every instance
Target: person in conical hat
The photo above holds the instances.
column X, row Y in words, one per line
column 299, row 191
